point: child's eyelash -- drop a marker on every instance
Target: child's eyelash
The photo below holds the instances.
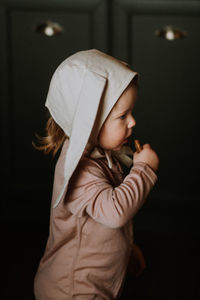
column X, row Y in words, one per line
column 122, row 117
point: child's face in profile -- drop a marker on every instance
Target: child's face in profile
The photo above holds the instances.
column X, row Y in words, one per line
column 119, row 123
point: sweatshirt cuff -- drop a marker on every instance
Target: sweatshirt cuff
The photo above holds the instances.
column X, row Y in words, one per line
column 147, row 170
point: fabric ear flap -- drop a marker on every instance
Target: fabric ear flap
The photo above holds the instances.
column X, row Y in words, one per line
column 93, row 86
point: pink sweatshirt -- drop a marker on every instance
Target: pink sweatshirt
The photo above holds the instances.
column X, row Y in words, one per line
column 90, row 236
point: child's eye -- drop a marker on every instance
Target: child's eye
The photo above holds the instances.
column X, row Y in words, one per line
column 122, row 117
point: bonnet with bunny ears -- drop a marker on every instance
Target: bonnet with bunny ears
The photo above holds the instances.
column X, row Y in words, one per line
column 78, row 86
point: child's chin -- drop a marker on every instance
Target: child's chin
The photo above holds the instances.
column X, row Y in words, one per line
column 118, row 148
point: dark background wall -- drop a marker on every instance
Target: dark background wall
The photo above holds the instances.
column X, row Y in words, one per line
column 167, row 114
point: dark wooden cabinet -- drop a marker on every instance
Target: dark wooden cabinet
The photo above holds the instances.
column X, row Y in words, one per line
column 30, row 53
column 167, row 110
column 161, row 41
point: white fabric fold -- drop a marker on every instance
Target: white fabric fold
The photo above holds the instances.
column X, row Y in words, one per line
column 124, row 155
column 82, row 126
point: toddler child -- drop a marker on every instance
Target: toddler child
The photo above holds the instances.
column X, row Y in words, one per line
column 91, row 99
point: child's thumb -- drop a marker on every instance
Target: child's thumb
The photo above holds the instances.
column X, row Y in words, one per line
column 146, row 146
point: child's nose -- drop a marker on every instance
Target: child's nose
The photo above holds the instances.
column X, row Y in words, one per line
column 132, row 122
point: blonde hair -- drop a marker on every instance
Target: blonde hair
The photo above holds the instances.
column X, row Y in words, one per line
column 53, row 140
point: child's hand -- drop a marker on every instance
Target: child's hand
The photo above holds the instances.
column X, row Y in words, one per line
column 148, row 156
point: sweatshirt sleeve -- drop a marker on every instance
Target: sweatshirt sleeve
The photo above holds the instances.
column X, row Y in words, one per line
column 90, row 192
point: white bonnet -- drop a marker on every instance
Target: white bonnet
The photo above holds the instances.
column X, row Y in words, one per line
column 78, row 86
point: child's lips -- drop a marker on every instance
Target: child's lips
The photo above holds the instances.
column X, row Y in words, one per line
column 127, row 140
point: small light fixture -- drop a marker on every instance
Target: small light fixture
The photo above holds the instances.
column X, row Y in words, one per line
column 49, row 28
column 170, row 33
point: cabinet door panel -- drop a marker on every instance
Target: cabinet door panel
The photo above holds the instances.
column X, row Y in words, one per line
column 168, row 104
column 169, row 100
column 29, row 58
column 34, row 57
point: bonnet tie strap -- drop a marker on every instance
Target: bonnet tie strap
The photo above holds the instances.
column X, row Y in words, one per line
column 124, row 155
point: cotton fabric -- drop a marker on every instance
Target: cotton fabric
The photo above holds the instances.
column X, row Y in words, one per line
column 91, row 236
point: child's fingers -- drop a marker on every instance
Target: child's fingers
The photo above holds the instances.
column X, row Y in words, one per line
column 140, row 147
column 146, row 146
